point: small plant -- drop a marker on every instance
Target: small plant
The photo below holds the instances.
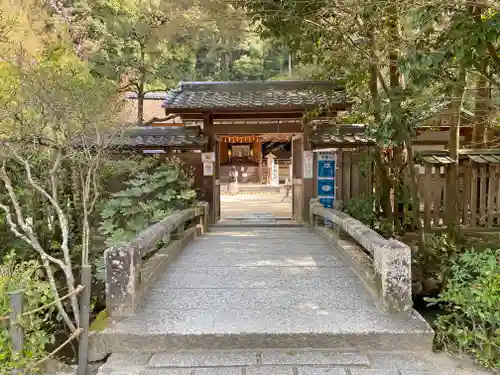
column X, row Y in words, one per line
column 432, row 264
column 384, row 227
column 147, row 199
column 362, row 209
column 27, row 276
column 471, row 296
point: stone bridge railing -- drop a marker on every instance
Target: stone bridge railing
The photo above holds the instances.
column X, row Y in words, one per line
column 384, row 265
column 133, row 267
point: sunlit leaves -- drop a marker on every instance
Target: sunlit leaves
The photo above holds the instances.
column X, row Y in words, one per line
column 37, row 292
column 147, row 199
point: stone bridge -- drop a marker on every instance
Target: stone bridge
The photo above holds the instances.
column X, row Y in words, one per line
column 247, row 299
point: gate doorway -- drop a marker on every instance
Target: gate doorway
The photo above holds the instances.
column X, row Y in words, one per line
column 255, row 109
column 253, row 172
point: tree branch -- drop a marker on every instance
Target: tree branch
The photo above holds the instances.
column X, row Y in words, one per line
column 52, row 173
column 157, row 119
column 63, row 222
column 493, row 53
column 33, row 242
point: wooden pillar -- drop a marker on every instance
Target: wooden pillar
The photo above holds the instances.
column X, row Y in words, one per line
column 224, row 157
column 209, row 181
column 297, row 178
column 308, row 183
column 259, row 160
column 216, row 198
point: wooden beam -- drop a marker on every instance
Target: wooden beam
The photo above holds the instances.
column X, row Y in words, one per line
column 253, row 129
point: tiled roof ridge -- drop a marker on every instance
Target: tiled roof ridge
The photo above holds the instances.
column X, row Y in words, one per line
column 253, row 86
column 254, row 95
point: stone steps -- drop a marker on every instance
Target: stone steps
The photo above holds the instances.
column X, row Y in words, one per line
column 285, row 362
column 253, row 188
column 228, row 328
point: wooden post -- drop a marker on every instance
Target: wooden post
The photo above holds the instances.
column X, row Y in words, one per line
column 308, row 183
column 209, row 181
column 16, row 301
column 16, row 328
column 217, row 181
column 297, row 196
column 83, row 345
column 259, row 160
column 224, row 155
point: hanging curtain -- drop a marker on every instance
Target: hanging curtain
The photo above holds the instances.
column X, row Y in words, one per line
column 240, row 151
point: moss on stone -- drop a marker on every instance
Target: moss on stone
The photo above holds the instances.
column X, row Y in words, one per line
column 100, row 323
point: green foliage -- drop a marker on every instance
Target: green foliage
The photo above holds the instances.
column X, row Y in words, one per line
column 471, row 322
column 430, row 264
column 24, row 275
column 141, row 42
column 148, row 198
column 362, row 209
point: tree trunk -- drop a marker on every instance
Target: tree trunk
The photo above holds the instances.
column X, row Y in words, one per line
column 140, row 87
column 398, row 161
column 452, row 175
column 415, row 197
column 140, row 106
column 383, row 183
column 481, row 111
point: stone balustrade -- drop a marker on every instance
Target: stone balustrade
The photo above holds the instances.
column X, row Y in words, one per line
column 129, row 275
column 390, row 274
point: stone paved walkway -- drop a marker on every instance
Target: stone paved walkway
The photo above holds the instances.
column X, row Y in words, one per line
column 244, row 204
column 267, row 301
column 290, row 362
column 264, row 287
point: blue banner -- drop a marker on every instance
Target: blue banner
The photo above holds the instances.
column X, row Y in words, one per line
column 326, row 168
column 326, row 188
column 326, row 181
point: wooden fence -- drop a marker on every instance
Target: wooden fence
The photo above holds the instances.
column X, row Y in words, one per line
column 479, row 192
column 479, row 197
column 354, row 174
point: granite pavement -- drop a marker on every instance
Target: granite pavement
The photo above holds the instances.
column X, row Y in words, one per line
column 238, row 288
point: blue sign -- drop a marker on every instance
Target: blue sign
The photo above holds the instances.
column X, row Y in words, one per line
column 326, row 188
column 326, row 181
column 326, row 168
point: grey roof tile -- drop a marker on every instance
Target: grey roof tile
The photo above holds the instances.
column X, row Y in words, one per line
column 161, row 136
column 153, row 95
column 342, row 135
column 155, row 136
column 255, row 95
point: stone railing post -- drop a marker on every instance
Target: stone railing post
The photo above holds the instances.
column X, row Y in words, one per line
column 314, row 220
column 391, row 258
column 203, row 219
column 178, row 233
column 392, row 265
column 122, row 280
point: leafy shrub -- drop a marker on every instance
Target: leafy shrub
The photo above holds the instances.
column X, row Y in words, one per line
column 148, row 198
column 24, row 275
column 431, row 265
column 471, row 299
column 362, row 209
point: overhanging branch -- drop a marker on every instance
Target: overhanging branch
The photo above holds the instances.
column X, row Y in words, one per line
column 157, row 119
